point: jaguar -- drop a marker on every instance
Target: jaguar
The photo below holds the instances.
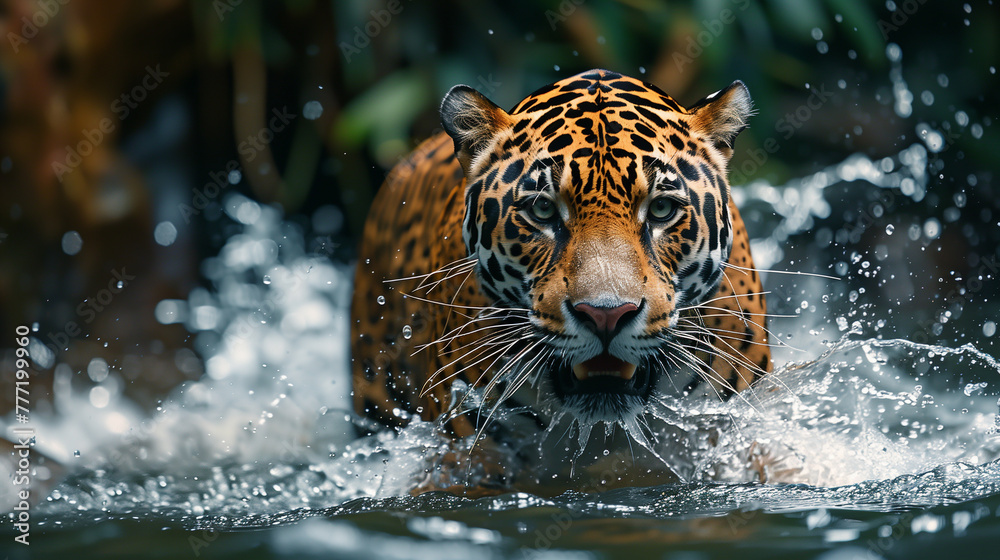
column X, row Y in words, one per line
column 572, row 258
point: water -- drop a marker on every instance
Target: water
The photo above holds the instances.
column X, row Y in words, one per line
column 886, row 447
column 871, row 446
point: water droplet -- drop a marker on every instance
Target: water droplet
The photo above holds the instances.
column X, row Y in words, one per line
column 165, row 233
column 267, row 279
column 893, row 52
column 974, row 388
column 71, row 242
column 76, row 453
column 407, row 332
column 97, row 369
column 932, row 228
column 380, row 300
column 889, row 229
column 989, row 328
column 312, row 110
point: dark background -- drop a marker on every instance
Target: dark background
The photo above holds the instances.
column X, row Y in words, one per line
column 379, row 69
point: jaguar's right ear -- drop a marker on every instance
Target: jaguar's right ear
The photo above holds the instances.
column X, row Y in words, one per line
column 472, row 121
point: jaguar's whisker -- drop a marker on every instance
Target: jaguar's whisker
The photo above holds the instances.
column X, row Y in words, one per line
column 709, row 349
column 709, row 372
column 477, row 355
column 790, row 272
column 737, row 336
column 761, row 326
column 492, row 384
column 501, row 332
column 469, row 307
column 698, row 369
column 464, row 261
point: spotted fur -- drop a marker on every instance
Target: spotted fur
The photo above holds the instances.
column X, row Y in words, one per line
column 599, row 192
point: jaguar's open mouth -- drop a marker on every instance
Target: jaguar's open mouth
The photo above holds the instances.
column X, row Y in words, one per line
column 604, row 365
column 604, row 387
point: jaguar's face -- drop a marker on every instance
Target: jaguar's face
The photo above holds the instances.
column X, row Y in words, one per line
column 600, row 206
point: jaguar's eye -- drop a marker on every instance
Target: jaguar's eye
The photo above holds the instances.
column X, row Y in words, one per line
column 662, row 209
column 543, row 209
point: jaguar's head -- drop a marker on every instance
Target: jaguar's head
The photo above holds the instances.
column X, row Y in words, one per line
column 600, row 206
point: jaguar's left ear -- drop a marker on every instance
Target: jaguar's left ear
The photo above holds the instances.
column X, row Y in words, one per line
column 723, row 115
column 472, row 121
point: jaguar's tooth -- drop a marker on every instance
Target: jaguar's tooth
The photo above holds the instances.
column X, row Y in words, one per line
column 580, row 371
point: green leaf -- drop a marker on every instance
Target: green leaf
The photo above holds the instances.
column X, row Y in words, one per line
column 384, row 112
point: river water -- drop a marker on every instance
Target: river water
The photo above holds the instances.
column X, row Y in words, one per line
column 874, row 447
column 876, row 443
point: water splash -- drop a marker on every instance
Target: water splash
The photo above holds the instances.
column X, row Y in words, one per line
column 268, row 430
column 800, row 202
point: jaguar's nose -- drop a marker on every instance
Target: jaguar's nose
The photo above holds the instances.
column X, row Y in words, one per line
column 605, row 322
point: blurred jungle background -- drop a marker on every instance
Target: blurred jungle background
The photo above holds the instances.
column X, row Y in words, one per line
column 124, row 125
